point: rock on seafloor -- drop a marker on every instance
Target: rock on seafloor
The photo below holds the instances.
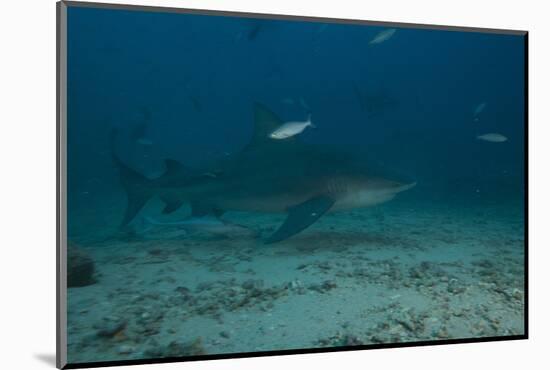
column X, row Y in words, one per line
column 80, row 267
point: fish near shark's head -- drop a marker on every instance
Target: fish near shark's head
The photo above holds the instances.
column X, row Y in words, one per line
column 361, row 192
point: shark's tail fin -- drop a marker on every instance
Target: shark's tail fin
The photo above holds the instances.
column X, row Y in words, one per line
column 138, row 188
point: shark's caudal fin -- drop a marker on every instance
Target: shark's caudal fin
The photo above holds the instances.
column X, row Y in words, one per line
column 138, row 188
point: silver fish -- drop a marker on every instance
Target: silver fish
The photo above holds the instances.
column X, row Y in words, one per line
column 383, row 36
column 290, row 129
column 480, row 107
column 493, row 138
column 144, row 141
column 287, row 101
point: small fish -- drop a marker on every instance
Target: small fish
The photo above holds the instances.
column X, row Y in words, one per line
column 196, row 103
column 480, row 107
column 254, row 31
column 322, row 28
column 374, row 104
column 316, row 41
column 144, row 141
column 383, row 36
column 493, row 138
column 287, row 101
column 304, row 105
column 290, row 129
column 239, row 36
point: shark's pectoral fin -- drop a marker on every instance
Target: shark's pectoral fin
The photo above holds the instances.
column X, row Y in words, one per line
column 301, row 216
column 171, row 205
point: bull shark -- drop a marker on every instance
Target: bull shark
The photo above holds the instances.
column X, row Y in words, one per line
column 270, row 176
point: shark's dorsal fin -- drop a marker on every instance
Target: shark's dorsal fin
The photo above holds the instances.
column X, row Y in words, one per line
column 265, row 122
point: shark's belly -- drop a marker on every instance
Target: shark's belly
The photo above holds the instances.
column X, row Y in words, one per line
column 362, row 199
column 278, row 203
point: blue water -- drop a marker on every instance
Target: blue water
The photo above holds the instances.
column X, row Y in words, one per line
column 185, row 85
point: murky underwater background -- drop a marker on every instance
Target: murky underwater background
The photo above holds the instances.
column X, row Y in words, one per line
column 443, row 260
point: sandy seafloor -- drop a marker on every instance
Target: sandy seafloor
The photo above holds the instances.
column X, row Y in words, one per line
column 400, row 272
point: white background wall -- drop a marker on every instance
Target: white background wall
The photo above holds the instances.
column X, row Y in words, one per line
column 27, row 181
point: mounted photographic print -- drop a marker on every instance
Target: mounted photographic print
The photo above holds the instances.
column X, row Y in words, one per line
column 235, row 184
